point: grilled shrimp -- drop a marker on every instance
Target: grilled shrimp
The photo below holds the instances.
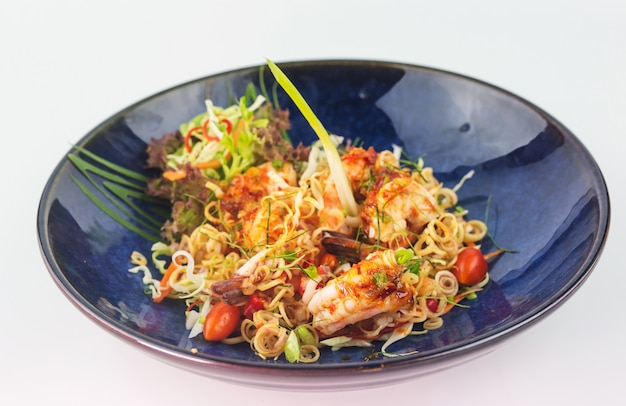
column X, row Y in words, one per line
column 369, row 288
column 246, row 190
column 395, row 207
column 243, row 203
column 358, row 164
column 397, row 210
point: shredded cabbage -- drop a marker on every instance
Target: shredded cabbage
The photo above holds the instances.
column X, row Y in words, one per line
column 342, row 341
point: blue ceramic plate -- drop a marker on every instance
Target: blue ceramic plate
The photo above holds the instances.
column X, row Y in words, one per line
column 547, row 200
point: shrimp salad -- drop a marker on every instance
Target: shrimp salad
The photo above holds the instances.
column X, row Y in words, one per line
column 292, row 248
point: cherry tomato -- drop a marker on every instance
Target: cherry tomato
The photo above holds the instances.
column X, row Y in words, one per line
column 221, row 321
column 471, row 267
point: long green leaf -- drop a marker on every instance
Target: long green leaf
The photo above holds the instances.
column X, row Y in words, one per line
column 334, row 160
column 85, row 166
column 124, row 192
column 119, row 169
column 115, row 216
column 85, row 169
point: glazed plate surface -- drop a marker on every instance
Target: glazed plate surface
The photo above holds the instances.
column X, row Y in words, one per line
column 541, row 192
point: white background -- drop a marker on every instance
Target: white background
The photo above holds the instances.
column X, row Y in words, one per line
column 65, row 66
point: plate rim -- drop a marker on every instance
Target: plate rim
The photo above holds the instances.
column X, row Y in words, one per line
column 476, row 345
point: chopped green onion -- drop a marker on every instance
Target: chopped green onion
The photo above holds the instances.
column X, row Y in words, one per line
column 310, row 271
column 380, row 278
column 289, row 255
column 414, row 268
column 305, row 335
column 277, row 164
column 403, row 255
column 292, row 347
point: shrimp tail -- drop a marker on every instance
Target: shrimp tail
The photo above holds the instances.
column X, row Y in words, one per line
column 345, row 246
column 229, row 291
